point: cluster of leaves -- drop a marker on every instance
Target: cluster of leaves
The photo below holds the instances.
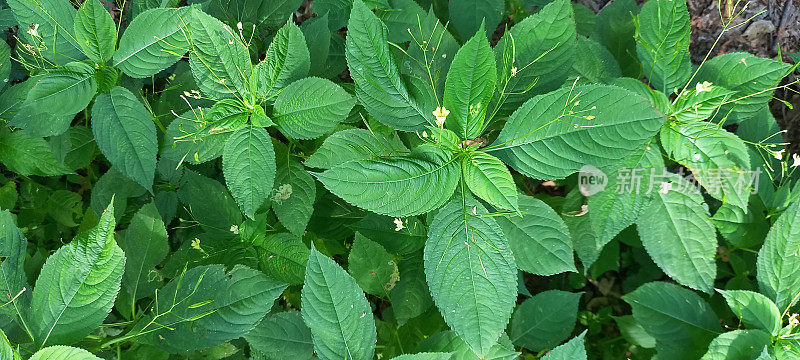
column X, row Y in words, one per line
column 403, row 177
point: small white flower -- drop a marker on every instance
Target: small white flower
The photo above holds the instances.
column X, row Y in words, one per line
column 33, row 30
column 514, row 71
column 474, row 210
column 235, row 229
column 796, row 160
column 398, row 224
column 794, row 320
column 196, row 244
column 778, row 154
column 697, row 156
column 239, row 26
column 424, row 134
column 703, row 86
column 441, row 115
column 665, row 187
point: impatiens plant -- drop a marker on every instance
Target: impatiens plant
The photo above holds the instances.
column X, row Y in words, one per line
column 390, row 179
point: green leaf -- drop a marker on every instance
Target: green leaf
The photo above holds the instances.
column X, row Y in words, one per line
column 208, row 305
column 471, row 273
column 355, row 144
column 470, row 86
column 545, row 320
column 681, row 322
column 738, row 344
column 372, row 267
column 219, row 59
column 718, row 159
column 539, row 239
column 662, row 44
column 778, row 266
column 310, row 108
column 677, row 233
column 424, row 356
column 373, row 69
column 198, row 136
column 488, row 178
column 52, row 21
column 287, row 60
column 155, row 40
column 615, row 29
column 64, row 92
column 5, row 63
column 410, row 297
column 401, row 186
column 468, row 16
column 77, row 286
column 125, row 133
column 540, row 48
column 448, row 341
column 754, row 310
column 282, row 335
column 404, row 15
column 208, row 202
column 699, row 103
column 27, row 155
column 633, row 332
column 283, row 257
column 75, row 148
column 294, row 198
column 750, row 77
column 553, row 135
column 12, row 273
column 572, row 350
column 248, row 163
column 63, row 353
column 259, row 12
column 6, row 351
column 400, row 240
column 337, row 11
column 318, row 37
column 145, row 245
column 339, row 332
column 597, row 65
column 95, row 31
column 625, row 197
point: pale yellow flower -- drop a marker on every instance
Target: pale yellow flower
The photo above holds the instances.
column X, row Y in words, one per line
column 441, row 115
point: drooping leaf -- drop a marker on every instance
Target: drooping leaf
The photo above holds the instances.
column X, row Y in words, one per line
column 282, row 335
column 63, row 92
column 145, row 245
column 125, row 133
column 13, row 282
column 95, row 31
column 778, row 265
column 597, row 66
column 48, row 25
column 682, row 323
column 318, row 41
column 489, row 179
column 77, row 286
column 155, row 40
column 754, row 310
column 310, row 108
column 662, row 44
column 544, row 320
column 355, row 144
column 470, row 86
column 6, row 351
column 677, row 233
column 219, row 59
column 336, row 311
column 378, row 84
column 401, row 186
column 208, row 305
column 248, row 163
column 410, row 297
column 471, row 273
column 553, row 135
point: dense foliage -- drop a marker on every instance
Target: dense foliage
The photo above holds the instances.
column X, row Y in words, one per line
column 390, row 179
